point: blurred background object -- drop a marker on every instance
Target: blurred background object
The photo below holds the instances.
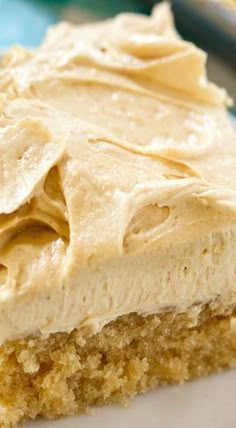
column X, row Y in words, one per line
column 209, row 23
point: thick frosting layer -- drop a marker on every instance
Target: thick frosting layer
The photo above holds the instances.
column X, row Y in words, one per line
column 117, row 176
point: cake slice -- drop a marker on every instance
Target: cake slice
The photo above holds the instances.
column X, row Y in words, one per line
column 117, row 218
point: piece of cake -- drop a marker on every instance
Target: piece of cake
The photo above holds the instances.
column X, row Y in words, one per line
column 117, row 218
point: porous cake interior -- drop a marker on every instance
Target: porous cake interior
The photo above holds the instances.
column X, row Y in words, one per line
column 67, row 374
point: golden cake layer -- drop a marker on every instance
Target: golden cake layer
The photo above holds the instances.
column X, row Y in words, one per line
column 66, row 374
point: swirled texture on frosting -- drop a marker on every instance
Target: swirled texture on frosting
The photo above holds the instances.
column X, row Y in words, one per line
column 117, row 170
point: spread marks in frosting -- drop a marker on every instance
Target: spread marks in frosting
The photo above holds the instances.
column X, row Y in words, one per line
column 113, row 143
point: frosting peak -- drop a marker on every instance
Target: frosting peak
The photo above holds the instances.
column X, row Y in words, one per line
column 145, row 49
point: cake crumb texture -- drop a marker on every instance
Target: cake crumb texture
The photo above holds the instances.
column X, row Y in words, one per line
column 66, row 374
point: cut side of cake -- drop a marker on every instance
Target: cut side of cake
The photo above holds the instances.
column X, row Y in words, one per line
column 117, row 218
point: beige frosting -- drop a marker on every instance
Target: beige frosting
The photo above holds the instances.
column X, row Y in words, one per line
column 117, row 176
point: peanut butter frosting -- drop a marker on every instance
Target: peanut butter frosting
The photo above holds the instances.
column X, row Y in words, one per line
column 117, row 176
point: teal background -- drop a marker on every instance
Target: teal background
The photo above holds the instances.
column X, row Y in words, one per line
column 25, row 21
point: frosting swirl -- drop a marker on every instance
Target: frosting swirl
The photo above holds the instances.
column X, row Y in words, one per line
column 112, row 141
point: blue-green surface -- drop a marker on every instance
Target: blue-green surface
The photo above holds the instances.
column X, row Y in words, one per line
column 25, row 21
